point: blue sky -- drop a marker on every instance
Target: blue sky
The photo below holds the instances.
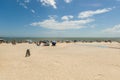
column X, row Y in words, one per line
column 59, row 18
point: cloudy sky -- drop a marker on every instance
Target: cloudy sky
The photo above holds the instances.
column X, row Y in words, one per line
column 60, row 18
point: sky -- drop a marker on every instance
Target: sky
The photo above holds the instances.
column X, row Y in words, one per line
column 59, row 18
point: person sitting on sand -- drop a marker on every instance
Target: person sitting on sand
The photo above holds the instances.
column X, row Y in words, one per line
column 27, row 53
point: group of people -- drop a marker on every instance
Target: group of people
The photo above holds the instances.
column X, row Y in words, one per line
column 45, row 43
column 38, row 43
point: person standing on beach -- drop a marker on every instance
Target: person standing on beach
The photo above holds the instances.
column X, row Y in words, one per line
column 27, row 53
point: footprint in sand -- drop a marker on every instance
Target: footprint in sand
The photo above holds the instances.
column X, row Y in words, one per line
column 99, row 77
column 116, row 65
column 57, row 63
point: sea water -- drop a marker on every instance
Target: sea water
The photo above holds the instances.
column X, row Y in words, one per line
column 60, row 39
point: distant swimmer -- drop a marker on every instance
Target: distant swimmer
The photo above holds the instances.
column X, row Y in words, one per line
column 27, row 53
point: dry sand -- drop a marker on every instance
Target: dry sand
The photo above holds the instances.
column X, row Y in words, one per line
column 72, row 61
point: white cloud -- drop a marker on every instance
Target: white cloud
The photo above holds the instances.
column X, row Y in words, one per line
column 67, row 1
column 53, row 24
column 23, row 5
column 33, row 11
column 66, row 18
column 26, row 1
column 23, row 1
column 49, row 3
column 90, row 13
column 52, row 16
column 114, row 29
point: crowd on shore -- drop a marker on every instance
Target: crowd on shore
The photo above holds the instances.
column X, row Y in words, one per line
column 47, row 42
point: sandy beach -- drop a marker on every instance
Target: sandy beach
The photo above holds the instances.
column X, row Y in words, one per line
column 65, row 61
